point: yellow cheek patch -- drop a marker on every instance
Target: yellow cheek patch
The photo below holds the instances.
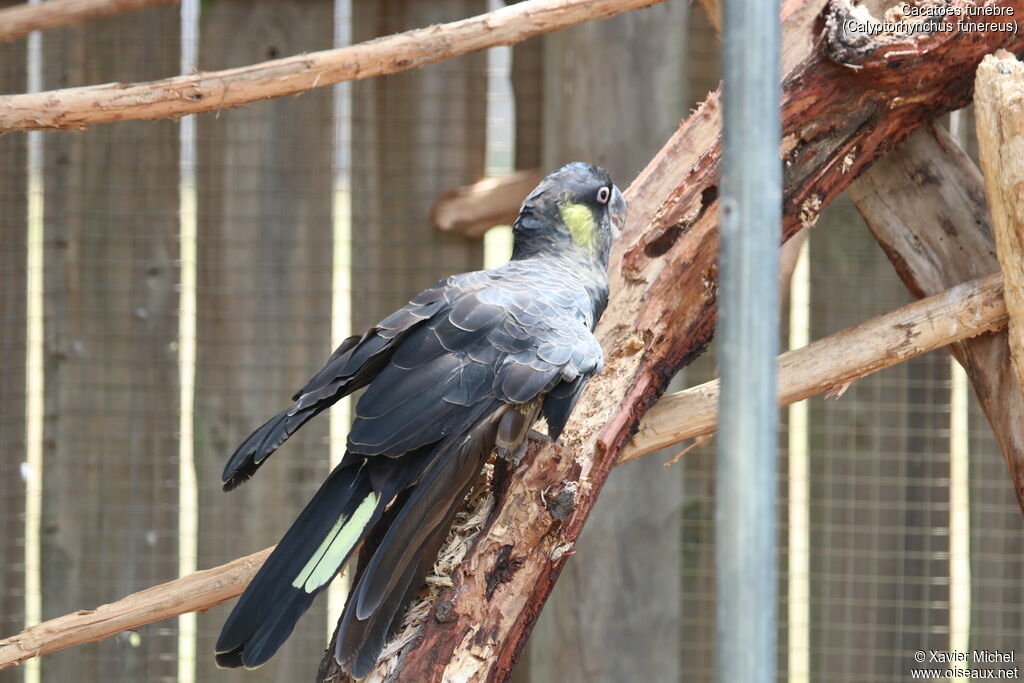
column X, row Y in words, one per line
column 582, row 227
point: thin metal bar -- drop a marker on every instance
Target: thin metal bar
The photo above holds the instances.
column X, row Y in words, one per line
column 748, row 343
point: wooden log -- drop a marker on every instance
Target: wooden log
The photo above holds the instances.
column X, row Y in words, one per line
column 474, row 209
column 212, row 91
column 964, row 311
column 195, row 592
column 18, row 21
column 925, row 204
column 999, row 112
column 110, row 435
column 847, row 99
column 263, row 302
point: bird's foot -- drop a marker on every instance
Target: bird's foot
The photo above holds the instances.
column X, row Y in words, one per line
column 512, row 456
column 538, row 436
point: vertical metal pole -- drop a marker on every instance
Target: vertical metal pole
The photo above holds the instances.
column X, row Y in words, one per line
column 748, row 343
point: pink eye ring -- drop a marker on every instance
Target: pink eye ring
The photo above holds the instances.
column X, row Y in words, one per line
column 603, row 195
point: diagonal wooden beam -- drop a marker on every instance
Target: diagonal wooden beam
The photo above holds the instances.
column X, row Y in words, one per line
column 962, row 313
column 73, row 108
column 474, row 209
column 193, row 593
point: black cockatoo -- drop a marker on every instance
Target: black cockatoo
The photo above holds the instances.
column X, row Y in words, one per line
column 462, row 370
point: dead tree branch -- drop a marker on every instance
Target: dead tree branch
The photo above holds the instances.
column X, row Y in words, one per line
column 72, row 108
column 195, row 592
column 20, row 20
column 963, row 312
column 925, row 204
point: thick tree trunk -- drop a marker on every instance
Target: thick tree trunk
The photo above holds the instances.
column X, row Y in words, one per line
column 845, row 103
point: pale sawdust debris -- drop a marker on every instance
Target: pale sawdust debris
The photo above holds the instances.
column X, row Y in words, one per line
column 810, row 210
column 848, row 160
column 465, row 528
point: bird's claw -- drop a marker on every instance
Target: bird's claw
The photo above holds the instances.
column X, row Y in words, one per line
column 512, row 455
column 538, row 436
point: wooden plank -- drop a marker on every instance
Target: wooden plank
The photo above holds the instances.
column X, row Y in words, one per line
column 997, row 543
column 13, row 321
column 414, row 135
column 110, row 522
column 528, row 91
column 697, row 632
column 263, row 301
column 615, row 614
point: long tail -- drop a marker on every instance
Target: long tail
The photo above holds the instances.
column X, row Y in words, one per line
column 408, row 549
column 303, row 564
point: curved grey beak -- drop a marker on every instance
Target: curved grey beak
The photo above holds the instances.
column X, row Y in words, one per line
column 617, row 211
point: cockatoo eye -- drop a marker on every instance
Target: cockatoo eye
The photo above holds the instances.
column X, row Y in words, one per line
column 603, row 195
